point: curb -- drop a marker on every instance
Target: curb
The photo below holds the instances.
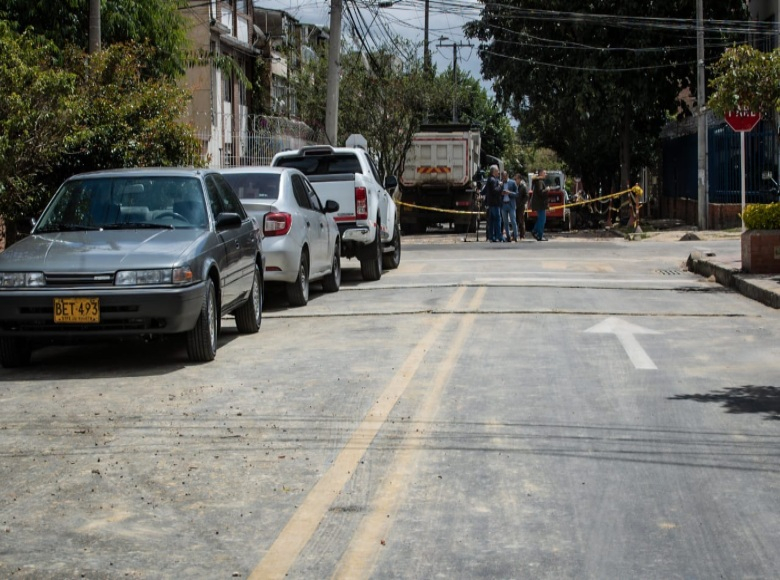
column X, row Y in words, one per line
column 762, row 288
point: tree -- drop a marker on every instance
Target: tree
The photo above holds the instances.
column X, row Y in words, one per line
column 476, row 108
column 95, row 113
column 748, row 79
column 35, row 116
column 381, row 98
column 156, row 23
column 386, row 100
column 123, row 120
column 596, row 85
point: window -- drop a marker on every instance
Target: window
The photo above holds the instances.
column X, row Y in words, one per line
column 254, row 185
column 301, row 194
column 228, row 201
column 227, row 88
column 315, row 201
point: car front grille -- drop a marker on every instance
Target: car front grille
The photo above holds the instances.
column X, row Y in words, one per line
column 75, row 279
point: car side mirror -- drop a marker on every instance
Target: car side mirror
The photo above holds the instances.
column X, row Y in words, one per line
column 331, row 206
column 24, row 226
column 766, row 175
column 228, row 220
column 391, row 182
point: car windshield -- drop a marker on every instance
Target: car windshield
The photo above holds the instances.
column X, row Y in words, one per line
column 126, row 202
column 258, row 186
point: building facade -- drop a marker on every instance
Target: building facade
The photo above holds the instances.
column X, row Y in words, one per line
column 242, row 106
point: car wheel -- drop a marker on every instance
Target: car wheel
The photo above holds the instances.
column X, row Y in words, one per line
column 14, row 352
column 392, row 260
column 202, row 340
column 332, row 282
column 298, row 291
column 250, row 314
column 371, row 264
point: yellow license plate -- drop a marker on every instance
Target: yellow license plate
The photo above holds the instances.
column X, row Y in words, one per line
column 76, row 310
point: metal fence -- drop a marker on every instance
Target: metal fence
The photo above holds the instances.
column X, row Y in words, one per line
column 255, row 142
column 724, row 167
column 680, row 165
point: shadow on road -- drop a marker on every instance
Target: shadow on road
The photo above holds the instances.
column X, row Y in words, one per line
column 747, row 399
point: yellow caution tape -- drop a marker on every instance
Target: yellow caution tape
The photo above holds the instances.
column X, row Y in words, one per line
column 636, row 190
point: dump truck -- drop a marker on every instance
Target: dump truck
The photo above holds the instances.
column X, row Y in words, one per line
column 438, row 174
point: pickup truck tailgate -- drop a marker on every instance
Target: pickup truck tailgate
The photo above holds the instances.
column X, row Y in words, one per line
column 341, row 189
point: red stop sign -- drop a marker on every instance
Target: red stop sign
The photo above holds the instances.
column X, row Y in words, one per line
column 742, row 121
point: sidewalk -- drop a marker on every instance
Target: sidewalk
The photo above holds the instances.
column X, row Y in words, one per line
column 727, row 271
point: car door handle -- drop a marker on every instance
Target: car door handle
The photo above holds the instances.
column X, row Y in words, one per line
column 308, row 224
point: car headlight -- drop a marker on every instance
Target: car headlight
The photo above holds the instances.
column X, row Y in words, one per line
column 178, row 276
column 22, row 279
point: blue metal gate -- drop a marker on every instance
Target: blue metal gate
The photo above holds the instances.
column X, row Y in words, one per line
column 680, row 165
column 724, row 164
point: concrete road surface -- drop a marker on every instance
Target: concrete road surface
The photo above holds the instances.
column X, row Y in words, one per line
column 565, row 409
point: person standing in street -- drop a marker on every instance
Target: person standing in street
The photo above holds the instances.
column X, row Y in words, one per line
column 509, row 208
column 539, row 203
column 522, row 199
column 493, row 194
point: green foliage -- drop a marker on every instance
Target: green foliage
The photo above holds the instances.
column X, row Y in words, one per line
column 598, row 87
column 123, row 120
column 159, row 24
column 748, row 79
column 35, row 114
column 764, row 216
column 379, row 97
column 97, row 112
column 378, row 92
column 474, row 107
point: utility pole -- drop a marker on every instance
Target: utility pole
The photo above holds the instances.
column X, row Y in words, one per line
column 455, row 46
column 426, row 52
column 702, row 113
column 334, row 72
column 94, row 26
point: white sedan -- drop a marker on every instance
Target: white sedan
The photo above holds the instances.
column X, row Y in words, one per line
column 301, row 239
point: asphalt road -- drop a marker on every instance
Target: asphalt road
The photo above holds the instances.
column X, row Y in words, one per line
column 565, row 409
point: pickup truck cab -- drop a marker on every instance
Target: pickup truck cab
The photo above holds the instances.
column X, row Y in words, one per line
column 367, row 217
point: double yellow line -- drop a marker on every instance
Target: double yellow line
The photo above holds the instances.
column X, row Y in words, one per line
column 362, row 552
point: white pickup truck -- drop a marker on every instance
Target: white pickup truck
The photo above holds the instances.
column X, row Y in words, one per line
column 367, row 216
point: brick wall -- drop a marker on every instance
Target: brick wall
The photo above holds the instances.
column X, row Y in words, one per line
column 722, row 216
column 761, row 251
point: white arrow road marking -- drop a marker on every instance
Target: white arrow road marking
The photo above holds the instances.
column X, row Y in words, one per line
column 625, row 332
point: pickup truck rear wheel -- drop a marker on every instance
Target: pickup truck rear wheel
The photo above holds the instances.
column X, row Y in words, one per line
column 298, row 291
column 392, row 260
column 371, row 263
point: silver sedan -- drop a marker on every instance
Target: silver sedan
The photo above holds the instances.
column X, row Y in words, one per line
column 301, row 239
